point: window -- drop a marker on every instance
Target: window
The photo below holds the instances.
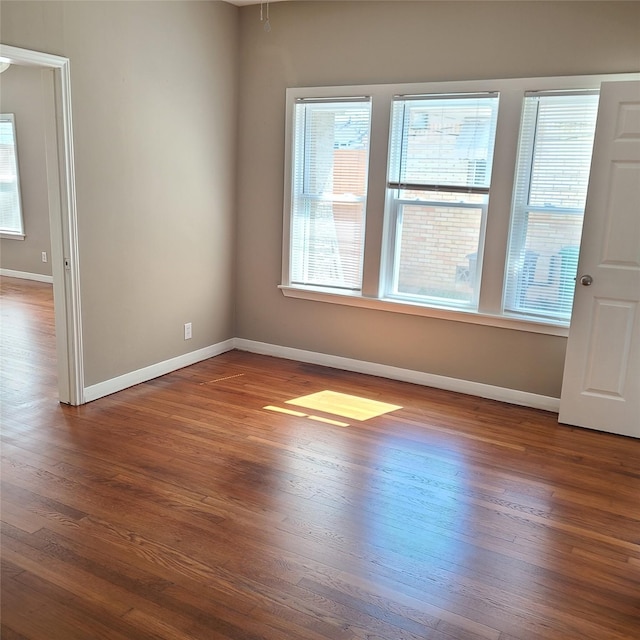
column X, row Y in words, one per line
column 439, row 176
column 556, row 140
column 10, row 206
column 329, row 192
column 470, row 196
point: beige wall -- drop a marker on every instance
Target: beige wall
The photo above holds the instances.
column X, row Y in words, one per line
column 336, row 43
column 21, row 94
column 154, row 97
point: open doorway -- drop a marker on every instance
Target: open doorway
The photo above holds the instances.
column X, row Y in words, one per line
column 56, row 91
column 28, row 375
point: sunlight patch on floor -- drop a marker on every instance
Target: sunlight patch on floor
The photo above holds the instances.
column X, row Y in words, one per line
column 343, row 404
column 336, row 423
column 289, row 412
column 299, row 414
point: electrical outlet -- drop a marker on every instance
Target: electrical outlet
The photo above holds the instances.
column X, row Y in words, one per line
column 187, row 331
column 44, row 256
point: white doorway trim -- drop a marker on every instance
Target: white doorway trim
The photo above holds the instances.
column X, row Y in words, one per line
column 62, row 218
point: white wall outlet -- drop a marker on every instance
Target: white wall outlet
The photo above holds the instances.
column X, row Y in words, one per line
column 187, row 331
column 44, row 256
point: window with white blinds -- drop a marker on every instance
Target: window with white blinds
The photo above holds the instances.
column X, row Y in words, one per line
column 473, row 193
column 10, row 205
column 329, row 191
column 440, row 160
column 552, row 175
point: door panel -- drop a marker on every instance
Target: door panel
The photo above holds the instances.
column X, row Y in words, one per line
column 610, row 339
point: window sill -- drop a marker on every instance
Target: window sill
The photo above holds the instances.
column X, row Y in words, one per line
column 532, row 325
column 12, row 236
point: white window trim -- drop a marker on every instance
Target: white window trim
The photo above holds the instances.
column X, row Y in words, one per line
column 415, row 309
column 377, row 236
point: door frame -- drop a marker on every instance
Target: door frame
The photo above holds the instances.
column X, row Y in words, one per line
column 62, row 218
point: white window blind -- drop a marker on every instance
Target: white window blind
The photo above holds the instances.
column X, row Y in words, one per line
column 439, row 175
column 443, row 142
column 552, row 175
column 10, row 206
column 329, row 190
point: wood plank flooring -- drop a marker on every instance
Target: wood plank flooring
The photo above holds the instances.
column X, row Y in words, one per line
column 183, row 509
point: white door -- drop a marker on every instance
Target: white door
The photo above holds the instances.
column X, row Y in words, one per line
column 601, row 385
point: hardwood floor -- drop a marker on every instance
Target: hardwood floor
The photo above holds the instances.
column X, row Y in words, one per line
column 182, row 508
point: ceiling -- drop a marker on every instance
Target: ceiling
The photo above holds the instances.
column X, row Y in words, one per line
column 242, row 3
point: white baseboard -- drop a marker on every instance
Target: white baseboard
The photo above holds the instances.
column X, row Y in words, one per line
column 25, row 275
column 502, row 394
column 154, row 371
